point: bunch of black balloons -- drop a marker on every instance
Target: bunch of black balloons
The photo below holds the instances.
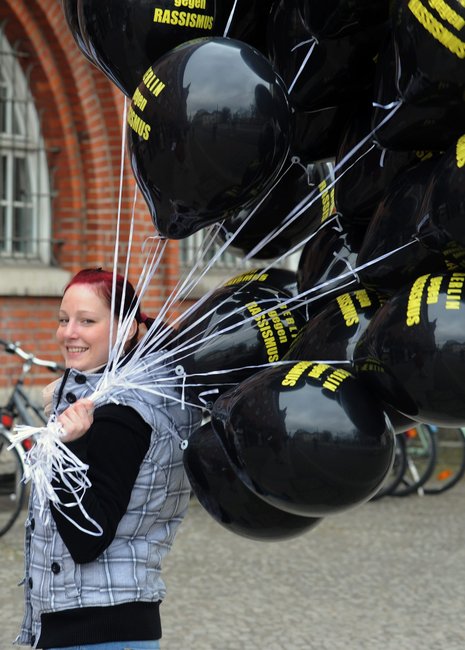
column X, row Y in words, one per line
column 335, row 128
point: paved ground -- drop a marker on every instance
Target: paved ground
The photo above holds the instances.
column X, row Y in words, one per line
column 389, row 575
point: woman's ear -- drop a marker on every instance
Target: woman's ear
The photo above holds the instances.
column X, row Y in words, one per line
column 132, row 330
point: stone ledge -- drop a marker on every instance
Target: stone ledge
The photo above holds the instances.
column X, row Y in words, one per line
column 32, row 280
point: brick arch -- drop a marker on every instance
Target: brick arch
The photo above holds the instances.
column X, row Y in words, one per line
column 81, row 124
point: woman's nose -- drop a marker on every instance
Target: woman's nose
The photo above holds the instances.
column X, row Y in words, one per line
column 70, row 330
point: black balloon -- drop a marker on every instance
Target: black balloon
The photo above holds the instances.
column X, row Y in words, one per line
column 208, row 132
column 291, row 211
column 307, row 438
column 391, row 255
column 429, row 44
column 440, row 223
column 226, row 498
column 233, row 331
column 413, row 351
column 316, row 134
column 125, row 37
column 244, row 20
column 70, row 10
column 332, row 333
column 364, row 170
column 431, row 125
column 327, row 264
column 337, row 70
column 334, row 18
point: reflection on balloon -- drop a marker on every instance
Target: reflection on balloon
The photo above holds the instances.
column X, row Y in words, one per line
column 126, row 39
column 236, row 329
column 208, row 131
column 306, row 437
column 226, row 498
column 413, row 351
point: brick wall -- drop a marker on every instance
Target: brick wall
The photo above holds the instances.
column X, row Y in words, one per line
column 82, row 115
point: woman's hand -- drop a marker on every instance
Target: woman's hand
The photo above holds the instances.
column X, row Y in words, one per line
column 77, row 419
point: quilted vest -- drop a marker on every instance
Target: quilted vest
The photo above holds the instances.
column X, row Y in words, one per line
column 129, row 569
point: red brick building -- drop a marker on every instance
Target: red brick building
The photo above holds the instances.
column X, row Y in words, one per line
column 61, row 125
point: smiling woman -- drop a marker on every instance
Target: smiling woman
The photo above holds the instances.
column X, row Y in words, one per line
column 94, row 550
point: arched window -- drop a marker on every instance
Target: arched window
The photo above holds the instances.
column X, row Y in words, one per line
column 25, row 206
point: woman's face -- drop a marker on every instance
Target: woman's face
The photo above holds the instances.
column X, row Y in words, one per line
column 84, row 327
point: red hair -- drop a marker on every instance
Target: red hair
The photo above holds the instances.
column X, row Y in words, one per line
column 103, row 283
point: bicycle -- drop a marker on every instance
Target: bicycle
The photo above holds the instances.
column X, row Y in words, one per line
column 19, row 409
column 421, row 453
column 450, row 462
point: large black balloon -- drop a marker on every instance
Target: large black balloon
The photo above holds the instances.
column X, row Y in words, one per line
column 227, row 499
column 335, row 18
column 234, row 330
column 336, row 72
column 413, row 351
column 70, row 10
column 308, row 438
column 332, row 333
column 125, row 37
column 441, row 220
column 327, row 263
column 364, row 171
column 282, row 220
column 208, row 131
column 391, row 255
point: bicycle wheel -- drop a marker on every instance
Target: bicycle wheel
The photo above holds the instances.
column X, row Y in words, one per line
column 450, row 462
column 12, row 488
column 397, row 471
column 420, row 446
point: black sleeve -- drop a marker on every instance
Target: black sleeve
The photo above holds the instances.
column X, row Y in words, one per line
column 114, row 448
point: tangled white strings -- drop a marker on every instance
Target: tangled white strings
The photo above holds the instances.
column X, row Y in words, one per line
column 50, row 461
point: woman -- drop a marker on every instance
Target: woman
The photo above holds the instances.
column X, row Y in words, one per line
column 103, row 591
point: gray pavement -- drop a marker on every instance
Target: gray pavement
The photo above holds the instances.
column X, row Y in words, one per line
column 389, row 575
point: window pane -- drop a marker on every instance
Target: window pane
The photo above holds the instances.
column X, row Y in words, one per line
column 2, row 229
column 3, row 108
column 18, row 118
column 22, row 230
column 3, row 172
column 21, row 191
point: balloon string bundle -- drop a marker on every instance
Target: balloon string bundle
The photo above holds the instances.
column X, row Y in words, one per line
column 50, row 458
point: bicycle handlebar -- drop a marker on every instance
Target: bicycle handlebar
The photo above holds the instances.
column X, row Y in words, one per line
column 14, row 348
